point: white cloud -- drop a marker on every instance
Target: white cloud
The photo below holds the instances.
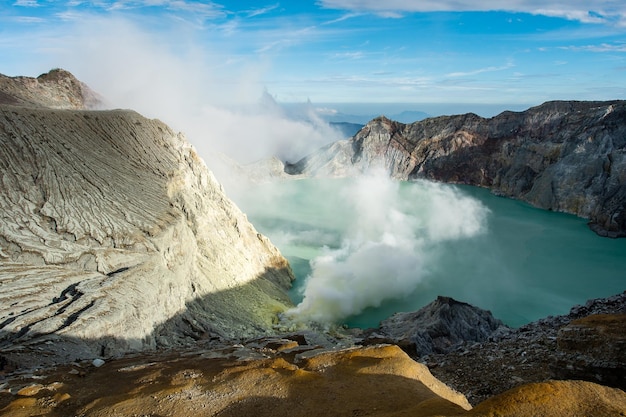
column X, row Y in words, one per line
column 29, row 19
column 349, row 55
column 598, row 11
column 480, row 71
column 204, row 9
column 26, row 3
column 603, row 47
column 261, row 11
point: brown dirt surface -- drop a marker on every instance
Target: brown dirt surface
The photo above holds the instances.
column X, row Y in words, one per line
column 370, row 381
column 280, row 381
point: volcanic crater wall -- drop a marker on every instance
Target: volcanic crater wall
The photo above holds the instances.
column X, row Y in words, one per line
column 563, row 156
column 115, row 235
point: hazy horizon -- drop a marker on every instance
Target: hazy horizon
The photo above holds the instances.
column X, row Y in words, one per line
column 431, row 109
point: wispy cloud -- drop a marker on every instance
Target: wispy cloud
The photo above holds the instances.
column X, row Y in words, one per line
column 26, row 3
column 262, row 10
column 204, row 9
column 480, row 71
column 598, row 11
column 29, row 19
column 342, row 18
column 349, row 55
column 603, row 47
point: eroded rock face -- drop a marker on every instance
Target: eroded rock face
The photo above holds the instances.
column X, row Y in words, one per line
column 116, row 237
column 561, row 156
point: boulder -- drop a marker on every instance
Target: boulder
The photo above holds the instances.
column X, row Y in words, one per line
column 439, row 327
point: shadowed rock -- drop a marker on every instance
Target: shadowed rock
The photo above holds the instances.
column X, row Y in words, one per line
column 439, row 327
column 594, row 349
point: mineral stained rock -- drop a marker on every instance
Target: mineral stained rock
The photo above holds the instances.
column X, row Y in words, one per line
column 115, row 237
column 587, row 344
column 240, row 381
column 564, row 156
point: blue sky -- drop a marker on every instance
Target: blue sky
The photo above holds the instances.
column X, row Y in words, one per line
column 329, row 51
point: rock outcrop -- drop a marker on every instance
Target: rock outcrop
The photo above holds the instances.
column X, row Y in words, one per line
column 116, row 237
column 563, row 156
column 439, row 327
column 585, row 344
column 57, row 89
column 593, row 348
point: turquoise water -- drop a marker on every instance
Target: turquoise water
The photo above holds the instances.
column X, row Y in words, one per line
column 525, row 263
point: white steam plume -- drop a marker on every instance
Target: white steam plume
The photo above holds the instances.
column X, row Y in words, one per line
column 175, row 76
column 391, row 242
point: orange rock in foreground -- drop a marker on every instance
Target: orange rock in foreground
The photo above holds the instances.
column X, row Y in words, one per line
column 375, row 381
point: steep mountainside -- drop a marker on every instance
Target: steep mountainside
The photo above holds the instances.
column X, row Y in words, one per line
column 562, row 156
column 114, row 237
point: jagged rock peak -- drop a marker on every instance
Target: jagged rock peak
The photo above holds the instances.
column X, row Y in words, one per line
column 438, row 327
column 56, row 89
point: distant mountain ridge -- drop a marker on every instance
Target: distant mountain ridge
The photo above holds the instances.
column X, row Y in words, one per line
column 406, row 116
column 567, row 156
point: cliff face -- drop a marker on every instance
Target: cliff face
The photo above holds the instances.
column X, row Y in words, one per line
column 562, row 156
column 116, row 237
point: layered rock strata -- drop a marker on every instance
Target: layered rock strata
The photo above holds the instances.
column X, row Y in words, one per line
column 116, row 237
column 563, row 156
column 593, row 348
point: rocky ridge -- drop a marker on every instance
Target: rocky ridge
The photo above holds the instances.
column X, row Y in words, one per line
column 564, row 156
column 56, row 89
column 115, row 237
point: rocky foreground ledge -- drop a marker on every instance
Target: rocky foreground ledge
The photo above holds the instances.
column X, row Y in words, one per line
column 283, row 376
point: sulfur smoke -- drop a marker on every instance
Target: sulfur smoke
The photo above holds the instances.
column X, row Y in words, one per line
column 389, row 245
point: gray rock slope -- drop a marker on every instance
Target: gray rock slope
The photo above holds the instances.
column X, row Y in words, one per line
column 115, row 237
column 563, row 156
column 56, row 89
column 438, row 327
